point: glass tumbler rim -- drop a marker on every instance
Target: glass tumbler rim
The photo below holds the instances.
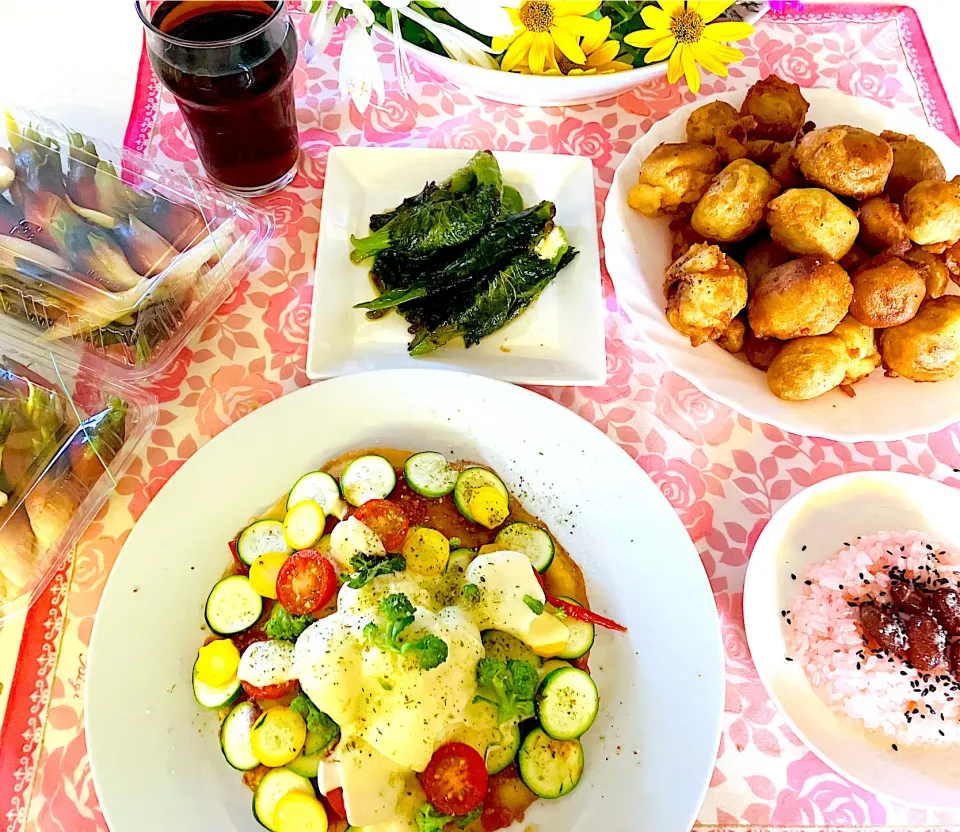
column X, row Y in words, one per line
column 207, row 44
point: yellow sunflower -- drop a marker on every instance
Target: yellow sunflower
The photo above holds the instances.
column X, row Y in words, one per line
column 601, row 57
column 682, row 30
column 540, row 26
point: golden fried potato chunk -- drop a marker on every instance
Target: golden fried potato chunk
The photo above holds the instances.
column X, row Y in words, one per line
column 808, row 296
column 808, row 367
column 847, row 161
column 673, row 178
column 812, row 221
column 926, row 348
column 854, row 259
column 881, row 225
column 762, row 257
column 735, row 204
column 913, row 162
column 706, row 122
column 931, row 211
column 887, row 291
column 778, row 107
column 733, row 336
column 933, row 270
column 861, row 344
column 682, row 236
column 705, row 290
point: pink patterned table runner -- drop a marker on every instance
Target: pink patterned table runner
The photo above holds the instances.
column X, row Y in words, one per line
column 723, row 474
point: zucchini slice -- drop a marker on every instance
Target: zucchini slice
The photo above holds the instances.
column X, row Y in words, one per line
column 275, row 784
column 215, row 697
column 306, row 765
column 367, row 478
column 429, row 474
column 260, row 537
column 550, row 768
column 535, row 543
column 503, row 752
column 320, row 487
column 567, row 703
column 235, row 736
column 233, row 606
column 581, row 637
column 550, row 665
column 504, row 646
column 468, row 482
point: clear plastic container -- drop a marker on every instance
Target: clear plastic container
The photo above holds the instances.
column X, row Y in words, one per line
column 108, row 259
column 109, row 264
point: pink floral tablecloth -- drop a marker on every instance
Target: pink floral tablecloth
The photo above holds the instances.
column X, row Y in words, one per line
column 722, row 473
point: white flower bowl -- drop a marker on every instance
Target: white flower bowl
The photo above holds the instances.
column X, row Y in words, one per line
column 549, row 90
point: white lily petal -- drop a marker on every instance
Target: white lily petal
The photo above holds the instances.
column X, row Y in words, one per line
column 458, row 45
column 396, row 4
column 487, row 17
column 360, row 10
column 360, row 74
column 321, row 29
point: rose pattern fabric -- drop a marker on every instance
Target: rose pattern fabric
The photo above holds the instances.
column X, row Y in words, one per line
column 722, row 473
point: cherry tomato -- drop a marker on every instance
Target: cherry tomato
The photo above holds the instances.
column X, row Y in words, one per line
column 387, row 519
column 455, row 780
column 269, row 691
column 335, row 799
column 243, row 640
column 306, row 582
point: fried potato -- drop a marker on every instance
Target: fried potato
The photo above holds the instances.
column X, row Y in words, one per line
column 926, row 348
column 887, row 291
column 913, row 162
column 778, row 107
column 808, row 367
column 933, row 270
column 705, row 290
column 812, row 221
column 760, row 352
column 673, row 178
column 706, row 122
column 733, row 336
column 861, row 344
column 809, row 296
column 848, row 161
column 735, row 204
column 882, row 226
column 762, row 257
column 931, row 211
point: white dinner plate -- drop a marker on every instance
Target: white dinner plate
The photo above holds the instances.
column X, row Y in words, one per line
column 559, row 340
column 154, row 752
column 823, row 518
column 637, row 251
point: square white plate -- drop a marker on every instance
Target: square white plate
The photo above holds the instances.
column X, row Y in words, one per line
column 559, row 340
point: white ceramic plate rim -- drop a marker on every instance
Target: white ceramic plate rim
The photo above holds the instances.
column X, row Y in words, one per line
column 568, row 315
column 759, row 597
column 650, row 321
column 108, row 680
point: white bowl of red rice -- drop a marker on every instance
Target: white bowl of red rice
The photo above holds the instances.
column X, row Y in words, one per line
column 879, row 704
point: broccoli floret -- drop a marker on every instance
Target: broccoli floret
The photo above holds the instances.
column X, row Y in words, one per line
column 282, row 625
column 327, row 731
column 430, row 820
column 510, row 686
column 368, row 567
column 536, row 607
column 430, row 651
column 471, row 592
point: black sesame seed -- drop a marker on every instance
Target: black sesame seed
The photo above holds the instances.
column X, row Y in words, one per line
column 803, row 548
column 894, row 747
column 788, row 659
column 809, row 583
column 792, row 577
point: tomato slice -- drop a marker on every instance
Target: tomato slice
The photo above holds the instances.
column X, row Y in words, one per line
column 269, row 691
column 388, row 520
column 306, row 582
column 455, row 780
column 335, row 799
